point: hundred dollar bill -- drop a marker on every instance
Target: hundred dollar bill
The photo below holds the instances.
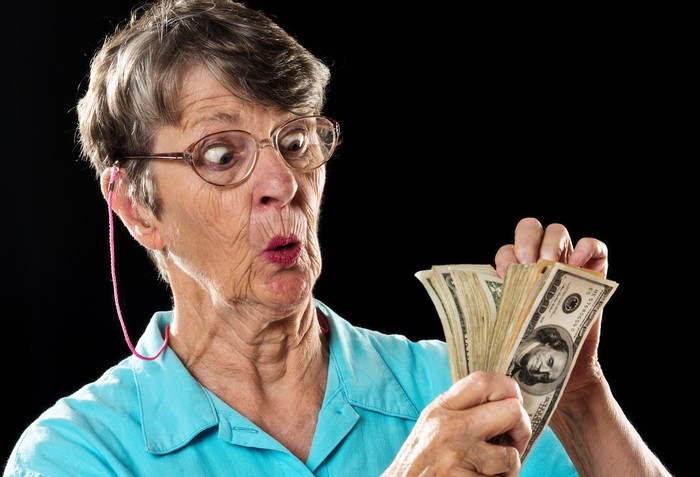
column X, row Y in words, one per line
column 567, row 301
column 528, row 325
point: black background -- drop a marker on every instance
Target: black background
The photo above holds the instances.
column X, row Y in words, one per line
column 456, row 122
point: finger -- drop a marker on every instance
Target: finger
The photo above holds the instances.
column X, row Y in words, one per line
column 493, row 459
column 590, row 253
column 556, row 244
column 502, row 423
column 528, row 238
column 477, row 388
column 504, row 257
column 497, row 419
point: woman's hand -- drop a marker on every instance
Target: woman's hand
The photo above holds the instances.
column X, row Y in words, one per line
column 532, row 242
column 452, row 434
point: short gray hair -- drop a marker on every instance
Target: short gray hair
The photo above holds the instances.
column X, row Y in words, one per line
column 136, row 74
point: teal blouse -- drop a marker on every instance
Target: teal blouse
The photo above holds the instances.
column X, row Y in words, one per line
column 152, row 418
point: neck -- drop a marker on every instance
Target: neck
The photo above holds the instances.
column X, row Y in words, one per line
column 263, row 347
column 271, row 370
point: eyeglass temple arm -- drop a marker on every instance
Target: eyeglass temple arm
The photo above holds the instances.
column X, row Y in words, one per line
column 171, row 156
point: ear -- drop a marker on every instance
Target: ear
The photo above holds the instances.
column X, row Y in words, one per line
column 138, row 220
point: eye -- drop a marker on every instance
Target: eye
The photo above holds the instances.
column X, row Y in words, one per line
column 223, row 152
column 293, row 143
column 217, row 156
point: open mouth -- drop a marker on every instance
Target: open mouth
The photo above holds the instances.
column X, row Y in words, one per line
column 283, row 250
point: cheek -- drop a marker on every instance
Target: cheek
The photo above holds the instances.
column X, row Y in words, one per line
column 310, row 197
column 213, row 223
column 314, row 251
column 310, row 194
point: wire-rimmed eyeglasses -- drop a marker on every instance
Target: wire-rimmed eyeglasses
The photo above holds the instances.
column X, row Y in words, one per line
column 227, row 158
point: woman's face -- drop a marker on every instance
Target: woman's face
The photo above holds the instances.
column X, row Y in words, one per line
column 251, row 243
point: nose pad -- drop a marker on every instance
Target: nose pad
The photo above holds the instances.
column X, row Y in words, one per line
column 270, row 143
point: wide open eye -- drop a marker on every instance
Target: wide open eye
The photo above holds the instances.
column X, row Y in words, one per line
column 219, row 156
column 224, row 151
column 224, row 158
column 293, row 143
column 307, row 142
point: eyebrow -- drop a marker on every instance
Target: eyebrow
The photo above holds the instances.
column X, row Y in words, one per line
column 220, row 117
column 207, row 121
column 227, row 117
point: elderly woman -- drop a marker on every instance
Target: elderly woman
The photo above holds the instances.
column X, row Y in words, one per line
column 203, row 120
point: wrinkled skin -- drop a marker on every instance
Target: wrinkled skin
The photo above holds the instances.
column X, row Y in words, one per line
column 242, row 262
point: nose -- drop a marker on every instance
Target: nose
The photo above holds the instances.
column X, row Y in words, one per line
column 273, row 182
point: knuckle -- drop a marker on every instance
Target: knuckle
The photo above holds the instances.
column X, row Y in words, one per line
column 509, row 457
column 495, row 460
column 480, row 378
column 450, row 463
column 514, row 407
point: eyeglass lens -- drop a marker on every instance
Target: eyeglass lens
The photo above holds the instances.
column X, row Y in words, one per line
column 228, row 157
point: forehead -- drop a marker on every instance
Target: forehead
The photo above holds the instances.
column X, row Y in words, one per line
column 207, row 106
column 203, row 98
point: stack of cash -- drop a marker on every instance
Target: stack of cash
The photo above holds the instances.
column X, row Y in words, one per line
column 529, row 325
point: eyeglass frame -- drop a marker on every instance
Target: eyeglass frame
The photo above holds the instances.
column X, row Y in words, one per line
column 188, row 157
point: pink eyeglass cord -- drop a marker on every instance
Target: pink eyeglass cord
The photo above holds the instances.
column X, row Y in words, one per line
column 112, row 180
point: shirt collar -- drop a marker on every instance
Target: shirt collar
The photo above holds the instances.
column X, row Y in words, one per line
column 365, row 378
column 175, row 408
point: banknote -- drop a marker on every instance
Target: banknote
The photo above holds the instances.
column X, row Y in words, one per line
column 529, row 325
column 446, row 285
column 556, row 322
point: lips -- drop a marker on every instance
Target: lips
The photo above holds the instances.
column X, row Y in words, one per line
column 283, row 250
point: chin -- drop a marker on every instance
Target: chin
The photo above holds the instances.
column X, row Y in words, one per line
column 289, row 289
